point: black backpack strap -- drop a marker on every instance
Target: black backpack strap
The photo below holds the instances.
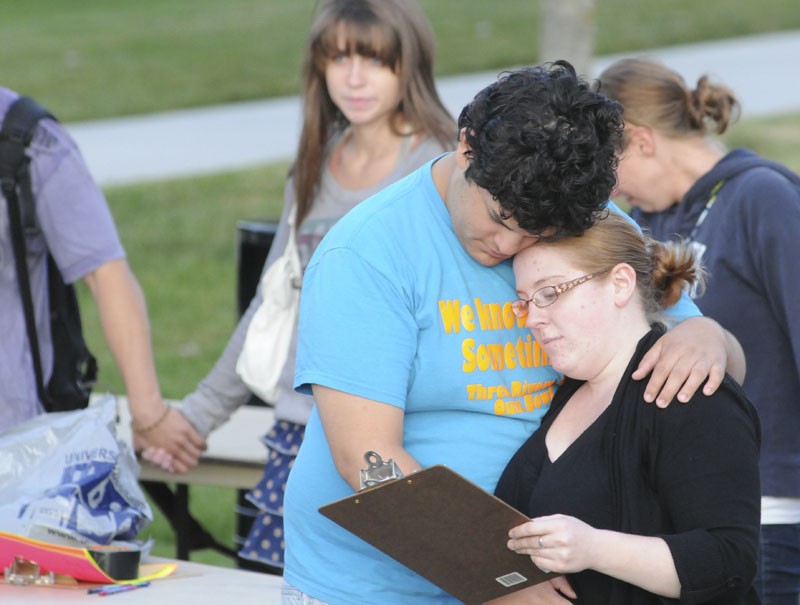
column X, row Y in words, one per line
column 15, row 135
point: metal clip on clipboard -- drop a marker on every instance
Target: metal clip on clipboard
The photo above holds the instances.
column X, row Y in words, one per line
column 378, row 471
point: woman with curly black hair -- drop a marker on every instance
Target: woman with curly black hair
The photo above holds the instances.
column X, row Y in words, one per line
column 547, row 153
column 407, row 339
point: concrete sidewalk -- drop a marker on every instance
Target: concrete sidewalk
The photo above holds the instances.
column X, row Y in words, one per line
column 762, row 70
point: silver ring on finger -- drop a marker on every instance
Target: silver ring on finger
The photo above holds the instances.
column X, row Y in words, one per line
column 540, row 544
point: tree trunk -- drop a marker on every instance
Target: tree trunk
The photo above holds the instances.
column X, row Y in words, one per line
column 567, row 32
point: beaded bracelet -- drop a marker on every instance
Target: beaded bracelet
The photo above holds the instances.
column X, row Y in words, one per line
column 146, row 429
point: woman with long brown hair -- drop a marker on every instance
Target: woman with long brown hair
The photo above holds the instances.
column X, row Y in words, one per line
column 371, row 115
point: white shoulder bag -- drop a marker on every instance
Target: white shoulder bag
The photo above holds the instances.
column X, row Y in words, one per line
column 269, row 334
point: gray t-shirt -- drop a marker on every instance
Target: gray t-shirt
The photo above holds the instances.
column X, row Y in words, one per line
column 221, row 392
column 75, row 224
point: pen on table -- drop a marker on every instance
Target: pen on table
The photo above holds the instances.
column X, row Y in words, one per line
column 115, row 588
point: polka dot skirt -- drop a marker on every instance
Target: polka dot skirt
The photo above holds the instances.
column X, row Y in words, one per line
column 265, row 542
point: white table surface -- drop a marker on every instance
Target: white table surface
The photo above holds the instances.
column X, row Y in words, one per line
column 191, row 584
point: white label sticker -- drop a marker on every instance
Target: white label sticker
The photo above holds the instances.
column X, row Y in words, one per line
column 511, row 579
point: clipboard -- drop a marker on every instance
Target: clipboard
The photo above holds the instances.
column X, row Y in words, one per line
column 445, row 528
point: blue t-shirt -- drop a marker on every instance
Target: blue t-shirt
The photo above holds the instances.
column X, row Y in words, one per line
column 395, row 310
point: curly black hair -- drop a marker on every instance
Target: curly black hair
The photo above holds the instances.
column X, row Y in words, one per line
column 544, row 145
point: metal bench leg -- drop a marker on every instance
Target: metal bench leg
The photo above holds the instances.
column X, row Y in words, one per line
column 189, row 533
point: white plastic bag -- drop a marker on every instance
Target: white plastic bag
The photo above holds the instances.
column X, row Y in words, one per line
column 65, row 478
column 269, row 334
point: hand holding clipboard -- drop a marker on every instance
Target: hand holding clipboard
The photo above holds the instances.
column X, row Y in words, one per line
column 440, row 525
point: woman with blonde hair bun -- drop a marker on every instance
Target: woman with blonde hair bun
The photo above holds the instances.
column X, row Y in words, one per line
column 741, row 213
column 632, row 502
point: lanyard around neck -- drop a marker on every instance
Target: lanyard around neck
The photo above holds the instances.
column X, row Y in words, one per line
column 711, row 199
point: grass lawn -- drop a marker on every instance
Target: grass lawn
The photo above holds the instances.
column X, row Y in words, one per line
column 180, row 237
column 94, row 58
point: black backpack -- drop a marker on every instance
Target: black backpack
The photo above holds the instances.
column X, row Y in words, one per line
column 74, row 367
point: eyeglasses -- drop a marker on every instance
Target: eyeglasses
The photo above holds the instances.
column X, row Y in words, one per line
column 546, row 296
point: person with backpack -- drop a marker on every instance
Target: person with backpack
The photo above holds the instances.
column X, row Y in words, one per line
column 741, row 213
column 64, row 215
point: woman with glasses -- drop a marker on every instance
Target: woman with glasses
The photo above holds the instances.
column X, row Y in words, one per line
column 631, row 501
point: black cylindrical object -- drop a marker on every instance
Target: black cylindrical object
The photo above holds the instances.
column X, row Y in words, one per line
column 254, row 239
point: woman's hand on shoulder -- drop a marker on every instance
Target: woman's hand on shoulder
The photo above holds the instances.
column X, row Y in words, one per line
column 695, row 351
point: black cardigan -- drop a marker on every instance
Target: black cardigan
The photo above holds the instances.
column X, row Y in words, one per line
column 688, row 473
